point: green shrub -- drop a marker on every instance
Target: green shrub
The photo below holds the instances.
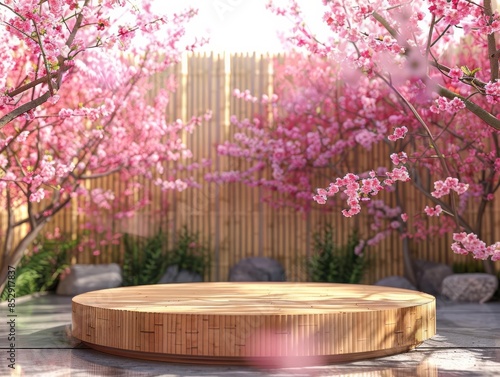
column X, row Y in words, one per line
column 471, row 266
column 144, row 259
column 189, row 253
column 335, row 264
column 39, row 270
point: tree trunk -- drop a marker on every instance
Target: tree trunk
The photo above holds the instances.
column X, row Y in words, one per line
column 13, row 259
column 409, row 270
column 489, row 267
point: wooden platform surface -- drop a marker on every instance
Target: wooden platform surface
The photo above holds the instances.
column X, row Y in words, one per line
column 237, row 322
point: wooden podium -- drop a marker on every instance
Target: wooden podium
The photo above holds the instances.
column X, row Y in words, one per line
column 241, row 323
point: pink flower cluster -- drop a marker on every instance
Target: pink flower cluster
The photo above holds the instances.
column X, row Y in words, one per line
column 399, row 133
column 442, row 188
column 246, row 95
column 433, row 211
column 397, row 174
column 444, row 104
column 395, row 47
column 466, row 243
column 454, row 12
column 37, row 196
column 358, row 189
column 493, row 92
column 384, row 220
column 399, row 158
column 455, row 74
column 110, row 125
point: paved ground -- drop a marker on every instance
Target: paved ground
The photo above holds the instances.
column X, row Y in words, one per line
column 467, row 344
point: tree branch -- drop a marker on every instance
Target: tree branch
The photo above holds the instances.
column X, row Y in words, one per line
column 76, row 27
column 23, row 109
column 32, row 84
column 492, row 45
column 43, row 98
column 481, row 113
column 385, row 24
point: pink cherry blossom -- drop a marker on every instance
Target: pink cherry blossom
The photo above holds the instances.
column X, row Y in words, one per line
column 493, row 92
column 466, row 243
column 399, row 158
column 394, row 72
column 443, row 104
column 433, row 211
column 399, row 133
column 53, row 138
column 455, row 74
column 442, row 188
column 37, row 196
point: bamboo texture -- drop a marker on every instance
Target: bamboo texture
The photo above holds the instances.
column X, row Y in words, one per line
column 254, row 322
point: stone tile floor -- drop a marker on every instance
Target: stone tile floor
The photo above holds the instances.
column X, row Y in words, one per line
column 467, row 344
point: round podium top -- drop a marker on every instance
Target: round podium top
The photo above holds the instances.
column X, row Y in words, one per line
column 258, row 298
column 234, row 323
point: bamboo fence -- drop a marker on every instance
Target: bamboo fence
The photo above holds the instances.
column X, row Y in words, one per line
column 232, row 218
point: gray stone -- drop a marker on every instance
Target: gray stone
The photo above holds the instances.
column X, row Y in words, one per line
column 257, row 269
column 430, row 276
column 174, row 275
column 90, row 277
column 476, row 287
column 396, row 282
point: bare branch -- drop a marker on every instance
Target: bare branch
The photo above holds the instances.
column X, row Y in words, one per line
column 385, row 24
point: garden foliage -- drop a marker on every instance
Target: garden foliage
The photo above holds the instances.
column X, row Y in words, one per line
column 147, row 258
column 331, row 263
column 41, row 268
column 190, row 253
column 144, row 259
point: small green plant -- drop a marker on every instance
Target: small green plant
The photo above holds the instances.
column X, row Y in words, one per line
column 471, row 266
column 333, row 264
column 144, row 260
column 39, row 270
column 189, row 253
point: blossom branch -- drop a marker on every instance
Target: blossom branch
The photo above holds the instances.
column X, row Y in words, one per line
column 479, row 111
column 77, row 26
column 24, row 108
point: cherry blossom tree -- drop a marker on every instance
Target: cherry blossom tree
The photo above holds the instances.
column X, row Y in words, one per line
column 315, row 125
column 75, row 105
column 440, row 59
column 420, row 76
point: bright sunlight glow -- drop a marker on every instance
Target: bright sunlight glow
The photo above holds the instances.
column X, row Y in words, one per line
column 239, row 25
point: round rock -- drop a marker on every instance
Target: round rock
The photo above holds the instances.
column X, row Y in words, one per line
column 474, row 287
column 257, row 269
